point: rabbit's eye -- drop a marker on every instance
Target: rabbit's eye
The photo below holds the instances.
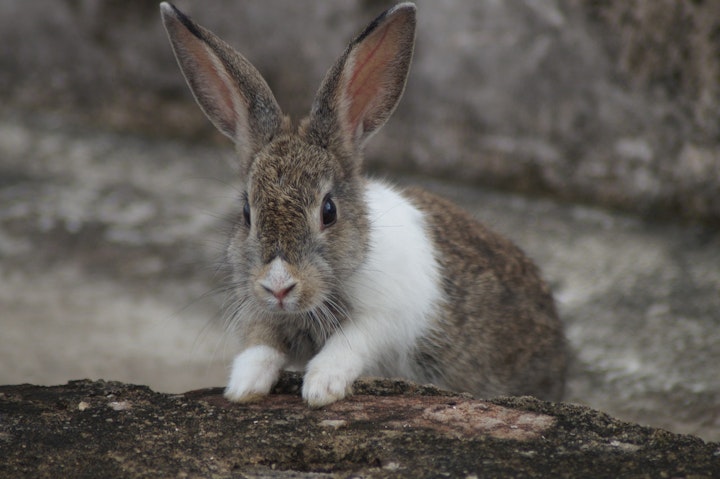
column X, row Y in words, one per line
column 246, row 212
column 329, row 212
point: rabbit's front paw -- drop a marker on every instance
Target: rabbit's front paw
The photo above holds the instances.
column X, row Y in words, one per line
column 329, row 379
column 254, row 372
column 323, row 387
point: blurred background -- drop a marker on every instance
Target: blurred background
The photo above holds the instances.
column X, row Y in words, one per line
column 588, row 132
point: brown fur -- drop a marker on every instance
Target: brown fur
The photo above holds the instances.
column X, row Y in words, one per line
column 498, row 319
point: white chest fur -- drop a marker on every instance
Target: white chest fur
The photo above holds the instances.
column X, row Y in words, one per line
column 397, row 289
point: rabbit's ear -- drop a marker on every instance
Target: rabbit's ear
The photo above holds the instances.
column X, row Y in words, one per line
column 362, row 89
column 228, row 88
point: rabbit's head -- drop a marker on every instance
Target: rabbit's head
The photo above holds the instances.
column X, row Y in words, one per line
column 302, row 226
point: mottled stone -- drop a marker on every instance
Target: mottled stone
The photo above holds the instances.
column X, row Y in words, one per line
column 389, row 427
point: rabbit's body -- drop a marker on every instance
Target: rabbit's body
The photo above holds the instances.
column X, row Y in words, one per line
column 343, row 276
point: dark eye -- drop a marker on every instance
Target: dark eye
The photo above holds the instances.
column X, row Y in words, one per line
column 246, row 212
column 329, row 212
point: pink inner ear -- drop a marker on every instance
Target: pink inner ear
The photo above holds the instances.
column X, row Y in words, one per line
column 370, row 74
column 212, row 84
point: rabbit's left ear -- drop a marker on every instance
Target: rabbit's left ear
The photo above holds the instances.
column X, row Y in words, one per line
column 228, row 88
column 364, row 86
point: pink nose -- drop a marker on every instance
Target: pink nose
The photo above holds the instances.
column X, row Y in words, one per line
column 280, row 293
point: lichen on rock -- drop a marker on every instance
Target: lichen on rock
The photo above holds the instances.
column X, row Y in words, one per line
column 109, row 429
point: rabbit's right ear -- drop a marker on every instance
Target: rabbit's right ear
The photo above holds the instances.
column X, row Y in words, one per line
column 228, row 88
column 364, row 86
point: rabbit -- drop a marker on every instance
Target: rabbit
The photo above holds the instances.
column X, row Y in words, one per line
column 344, row 276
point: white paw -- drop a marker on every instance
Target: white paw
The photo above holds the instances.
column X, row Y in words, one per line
column 254, row 372
column 322, row 386
column 320, row 389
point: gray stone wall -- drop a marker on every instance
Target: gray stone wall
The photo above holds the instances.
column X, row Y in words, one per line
column 610, row 102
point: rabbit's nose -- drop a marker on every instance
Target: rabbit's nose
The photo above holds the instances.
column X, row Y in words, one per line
column 280, row 292
column 278, row 280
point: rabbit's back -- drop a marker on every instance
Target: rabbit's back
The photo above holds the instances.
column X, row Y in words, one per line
column 496, row 330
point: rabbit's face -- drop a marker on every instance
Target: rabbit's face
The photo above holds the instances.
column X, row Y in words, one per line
column 302, row 230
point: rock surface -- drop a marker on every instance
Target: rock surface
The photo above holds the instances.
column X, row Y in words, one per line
column 387, row 429
column 614, row 103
